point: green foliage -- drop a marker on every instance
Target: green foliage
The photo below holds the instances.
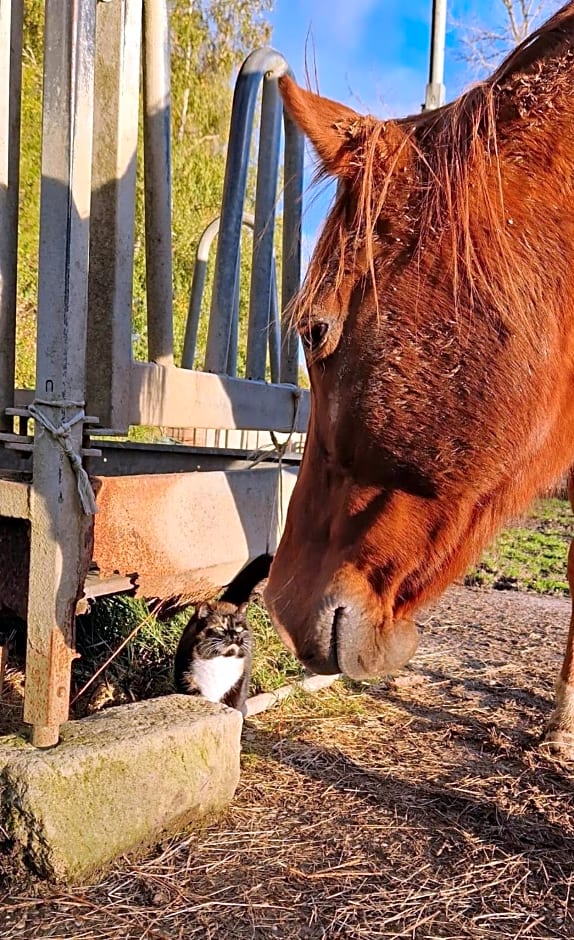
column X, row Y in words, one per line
column 209, row 40
column 143, row 667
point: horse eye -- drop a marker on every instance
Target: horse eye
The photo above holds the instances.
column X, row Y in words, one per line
column 315, row 334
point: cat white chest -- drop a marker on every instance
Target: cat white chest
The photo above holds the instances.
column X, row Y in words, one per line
column 214, row 677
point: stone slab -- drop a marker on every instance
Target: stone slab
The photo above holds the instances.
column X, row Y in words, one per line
column 117, row 782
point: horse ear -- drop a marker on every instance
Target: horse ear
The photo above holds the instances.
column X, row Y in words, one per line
column 333, row 128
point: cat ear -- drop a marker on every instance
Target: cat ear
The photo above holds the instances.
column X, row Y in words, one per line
column 202, row 611
column 242, row 611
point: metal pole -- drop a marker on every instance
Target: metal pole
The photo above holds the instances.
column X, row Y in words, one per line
column 118, row 35
column 435, row 90
column 157, row 173
column 264, row 231
column 60, row 531
column 292, row 227
column 10, row 86
column 274, row 330
column 259, row 64
column 197, row 291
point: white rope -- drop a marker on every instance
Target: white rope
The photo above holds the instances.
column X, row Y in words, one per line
column 62, row 434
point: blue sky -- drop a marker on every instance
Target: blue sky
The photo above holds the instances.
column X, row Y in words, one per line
column 373, row 54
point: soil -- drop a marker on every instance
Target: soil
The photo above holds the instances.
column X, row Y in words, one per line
column 422, row 806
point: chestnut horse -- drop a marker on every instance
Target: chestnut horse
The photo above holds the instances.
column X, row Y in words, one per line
column 438, row 321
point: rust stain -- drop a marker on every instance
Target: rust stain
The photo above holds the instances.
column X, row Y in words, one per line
column 51, row 673
column 146, row 529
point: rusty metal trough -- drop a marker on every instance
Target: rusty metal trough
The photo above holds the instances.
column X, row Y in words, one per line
column 80, row 513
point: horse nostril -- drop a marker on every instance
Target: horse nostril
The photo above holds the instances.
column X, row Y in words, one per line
column 339, row 616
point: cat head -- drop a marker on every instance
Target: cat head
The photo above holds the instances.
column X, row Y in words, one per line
column 222, row 629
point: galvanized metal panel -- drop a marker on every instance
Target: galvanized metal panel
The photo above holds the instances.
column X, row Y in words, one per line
column 264, row 231
column 180, row 398
column 118, row 35
column 10, row 88
column 60, row 541
column 259, row 63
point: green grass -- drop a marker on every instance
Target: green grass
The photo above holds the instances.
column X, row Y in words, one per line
column 144, row 667
column 530, row 556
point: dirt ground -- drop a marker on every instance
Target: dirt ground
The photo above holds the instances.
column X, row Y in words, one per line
column 421, row 807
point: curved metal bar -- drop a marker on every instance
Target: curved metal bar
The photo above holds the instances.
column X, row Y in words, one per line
column 292, row 225
column 274, row 329
column 263, row 62
column 198, row 288
column 264, row 231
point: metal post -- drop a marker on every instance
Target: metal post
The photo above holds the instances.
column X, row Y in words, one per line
column 264, row 231
column 292, row 223
column 259, row 63
column 231, row 368
column 10, row 94
column 157, row 171
column 196, row 296
column 274, row 329
column 60, row 536
column 118, row 36
column 435, row 90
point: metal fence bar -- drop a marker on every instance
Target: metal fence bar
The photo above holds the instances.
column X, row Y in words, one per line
column 256, row 65
column 197, row 291
column 233, row 347
column 292, row 225
column 60, row 531
column 196, row 294
column 10, row 95
column 274, row 329
column 157, row 172
column 118, row 38
column 264, row 231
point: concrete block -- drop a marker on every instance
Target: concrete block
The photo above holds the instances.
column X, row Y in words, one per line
column 117, row 782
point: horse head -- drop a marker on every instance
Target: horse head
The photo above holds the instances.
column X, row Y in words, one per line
column 437, row 318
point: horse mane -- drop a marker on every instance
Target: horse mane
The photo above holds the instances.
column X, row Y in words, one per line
column 439, row 174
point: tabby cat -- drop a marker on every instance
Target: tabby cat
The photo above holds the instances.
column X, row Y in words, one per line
column 215, row 654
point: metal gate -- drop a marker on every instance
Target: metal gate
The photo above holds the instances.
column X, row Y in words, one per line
column 160, row 523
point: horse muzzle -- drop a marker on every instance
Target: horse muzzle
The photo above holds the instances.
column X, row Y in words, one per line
column 343, row 636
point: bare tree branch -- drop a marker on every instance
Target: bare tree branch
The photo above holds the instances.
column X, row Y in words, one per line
column 483, row 46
